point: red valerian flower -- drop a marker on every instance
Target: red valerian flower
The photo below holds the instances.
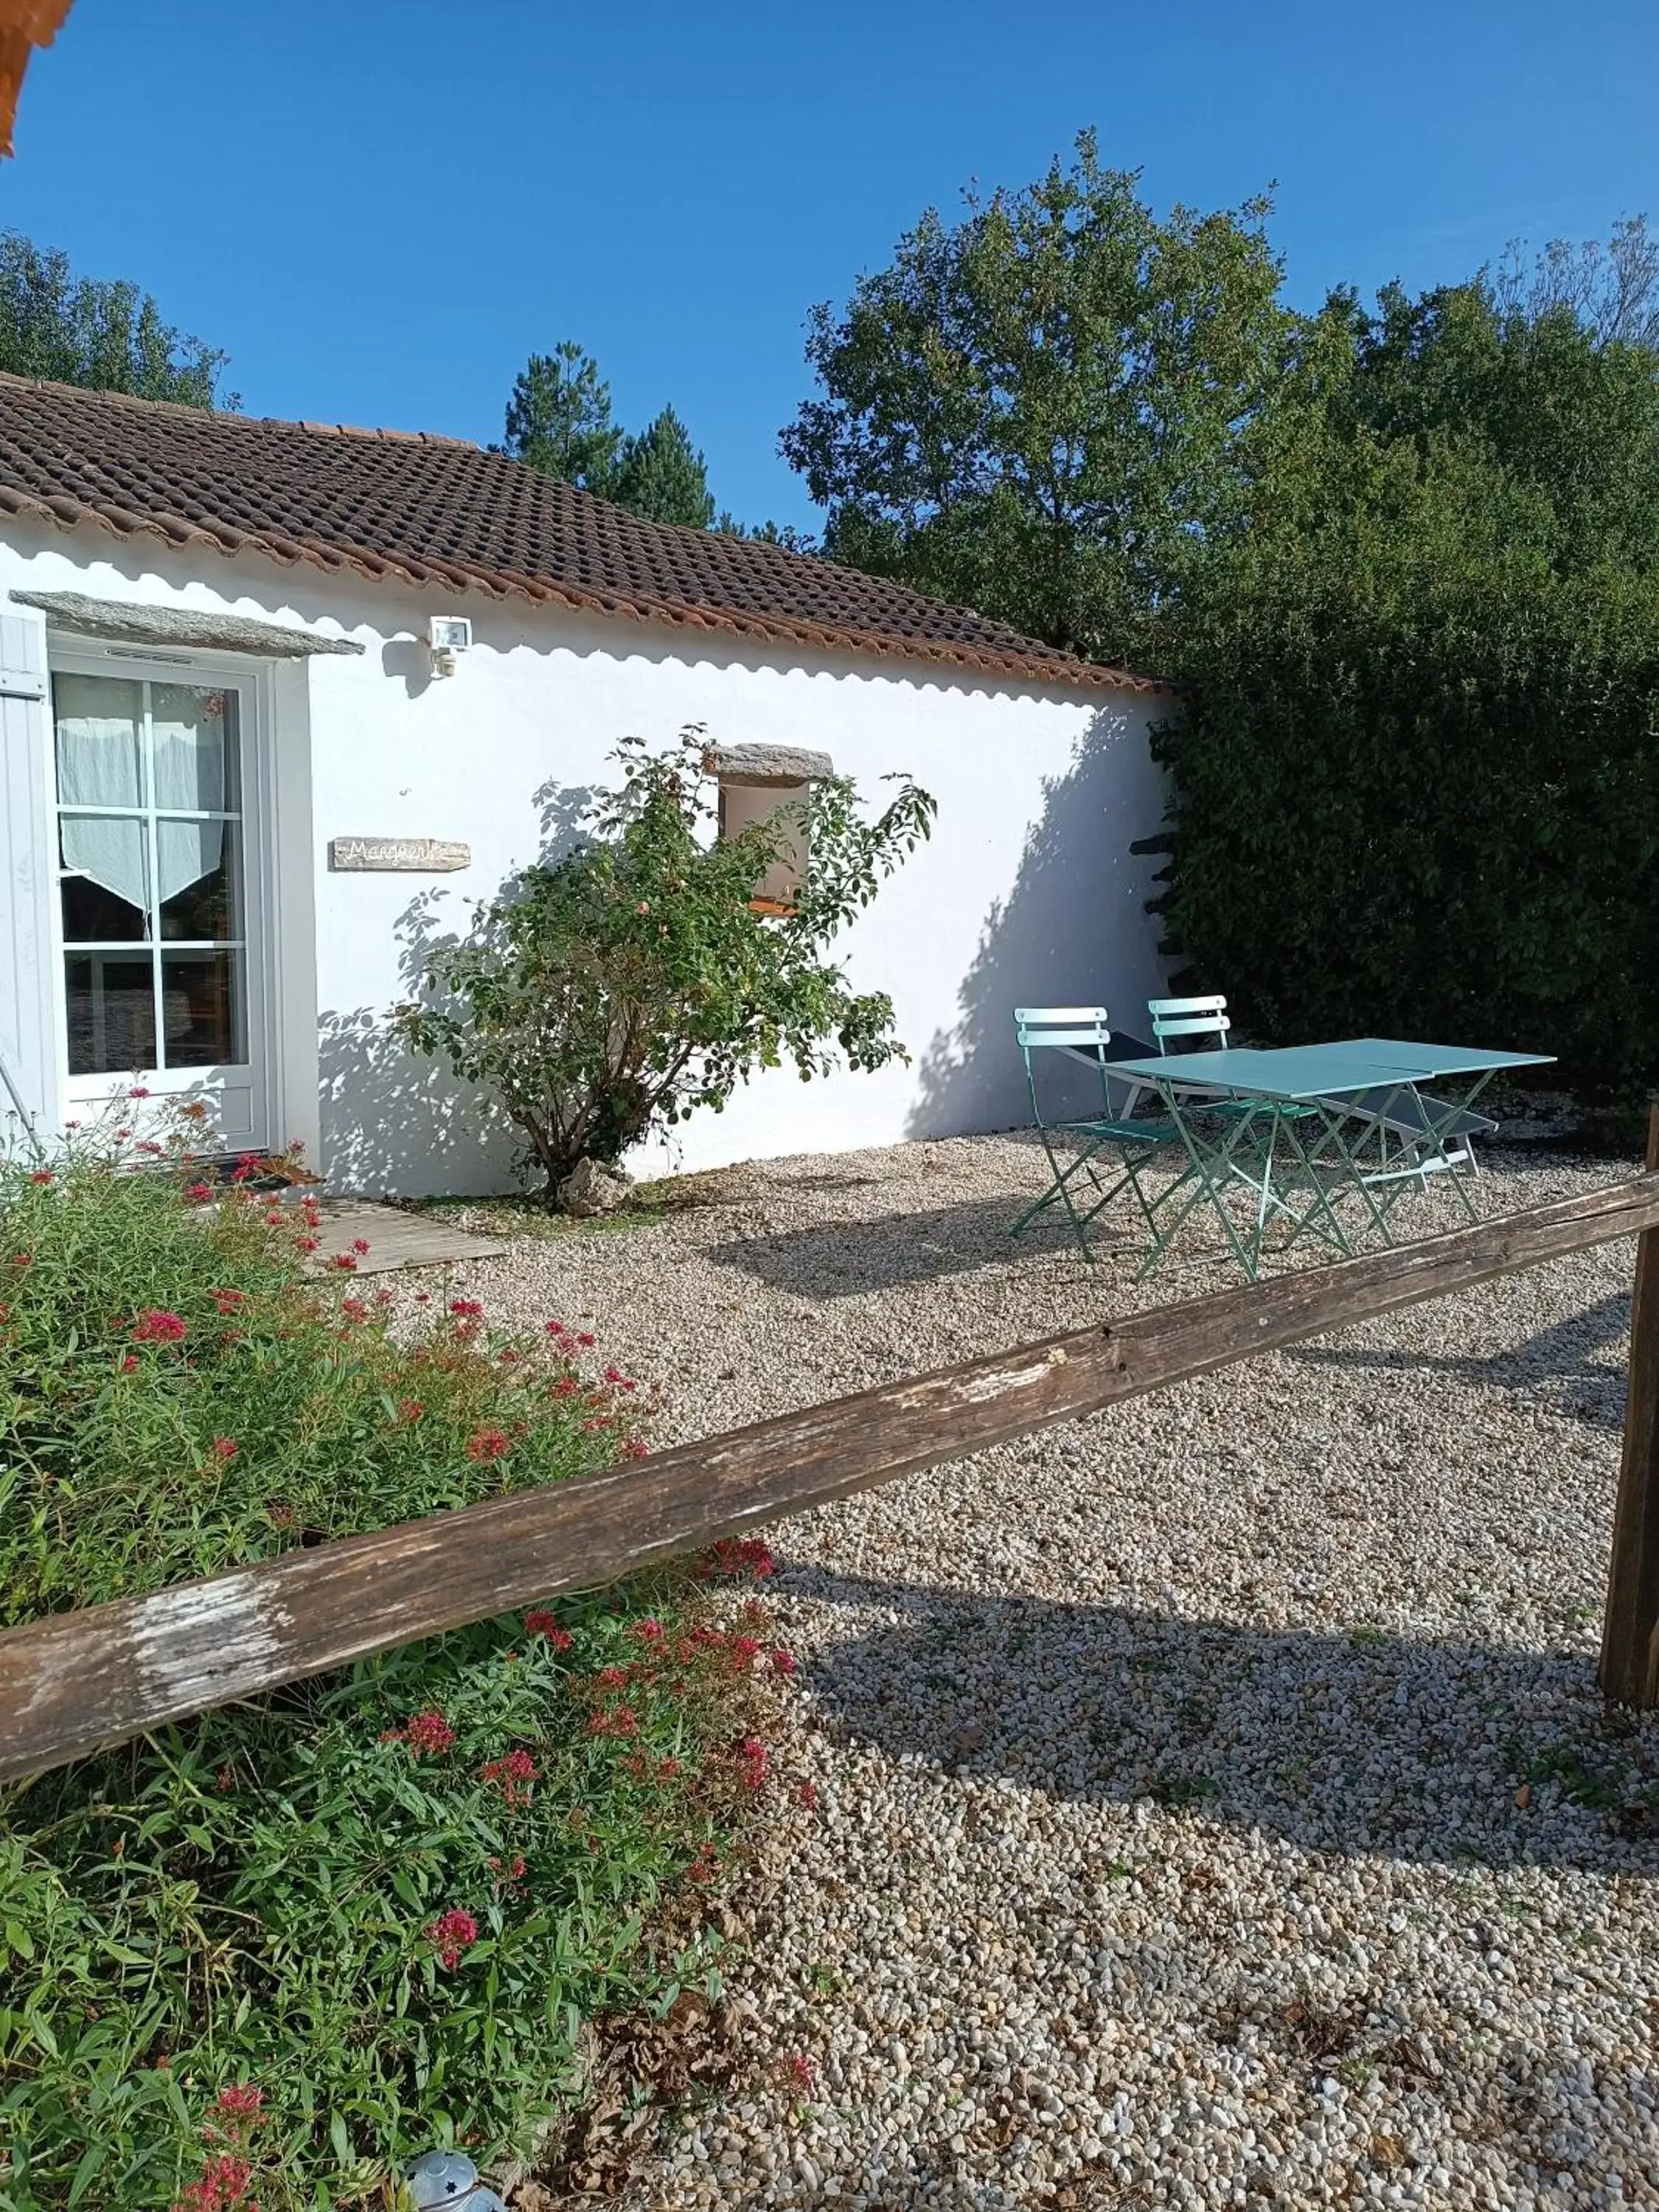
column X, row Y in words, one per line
column 139, row 1091
column 308, row 1243
column 274, row 1217
column 153, row 1326
column 620, row 1721
column 622, row 1381
column 229, row 1302
column 222, row 2186
column 512, row 1872
column 451, row 1933
column 354, row 1309
column 539, row 1622
column 242, row 2102
column 648, row 1631
column 556, row 1328
column 734, row 1556
column 197, row 1194
column 130, row 1363
column 466, row 1305
column 486, row 1444
column 752, row 1762
column 807, row 1793
column 427, row 1732
column 797, row 2072
column 360, row 1245
column 224, row 1448
column 409, row 1409
column 783, row 1662
column 584, row 1336
column 346, row 1261
column 512, row 1776
column 43, row 1174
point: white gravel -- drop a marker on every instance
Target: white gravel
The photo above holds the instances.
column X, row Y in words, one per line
column 1169, row 1849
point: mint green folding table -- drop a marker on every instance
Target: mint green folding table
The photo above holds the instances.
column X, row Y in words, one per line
column 1297, row 1148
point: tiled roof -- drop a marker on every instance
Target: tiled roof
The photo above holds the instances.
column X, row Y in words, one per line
column 424, row 509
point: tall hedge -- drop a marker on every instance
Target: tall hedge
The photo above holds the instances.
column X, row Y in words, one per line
column 1416, row 776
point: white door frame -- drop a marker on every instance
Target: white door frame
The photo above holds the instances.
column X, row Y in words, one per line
column 251, row 679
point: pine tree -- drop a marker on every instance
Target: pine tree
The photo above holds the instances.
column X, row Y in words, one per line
column 662, row 475
column 558, row 419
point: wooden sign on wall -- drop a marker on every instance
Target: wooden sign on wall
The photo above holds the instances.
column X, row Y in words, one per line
column 403, row 855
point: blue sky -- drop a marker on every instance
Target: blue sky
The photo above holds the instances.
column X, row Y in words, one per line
column 380, row 207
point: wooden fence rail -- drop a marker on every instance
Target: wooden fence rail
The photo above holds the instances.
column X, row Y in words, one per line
column 74, row 1682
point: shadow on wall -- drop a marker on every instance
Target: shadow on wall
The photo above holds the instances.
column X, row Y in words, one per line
column 396, row 1122
column 1072, row 931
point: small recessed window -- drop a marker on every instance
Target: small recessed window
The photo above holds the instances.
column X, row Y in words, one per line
column 756, row 784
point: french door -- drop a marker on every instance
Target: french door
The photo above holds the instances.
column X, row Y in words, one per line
column 161, row 925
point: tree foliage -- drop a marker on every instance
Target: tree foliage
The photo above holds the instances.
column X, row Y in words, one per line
column 1037, row 410
column 1404, row 559
column 1417, row 773
column 106, row 337
column 630, row 982
column 559, row 419
column 663, row 476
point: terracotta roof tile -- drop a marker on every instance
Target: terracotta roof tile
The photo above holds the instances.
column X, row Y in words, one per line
column 427, row 509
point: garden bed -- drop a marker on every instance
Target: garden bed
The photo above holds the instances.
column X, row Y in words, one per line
column 270, row 1954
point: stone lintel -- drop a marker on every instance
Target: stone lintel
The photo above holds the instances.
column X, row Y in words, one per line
column 124, row 622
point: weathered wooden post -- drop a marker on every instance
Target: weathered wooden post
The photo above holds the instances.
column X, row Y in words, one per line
column 1630, row 1635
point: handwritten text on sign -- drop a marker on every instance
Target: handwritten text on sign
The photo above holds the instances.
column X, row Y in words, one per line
column 420, row 855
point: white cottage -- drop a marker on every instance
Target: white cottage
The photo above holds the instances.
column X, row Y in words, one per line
column 278, row 699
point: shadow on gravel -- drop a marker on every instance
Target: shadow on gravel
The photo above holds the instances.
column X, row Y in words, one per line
column 844, row 1259
column 1356, row 1743
column 1560, row 1361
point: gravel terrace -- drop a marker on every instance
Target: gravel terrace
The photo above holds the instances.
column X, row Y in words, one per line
column 1215, row 1805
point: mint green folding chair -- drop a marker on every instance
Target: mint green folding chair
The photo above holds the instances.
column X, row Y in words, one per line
column 1080, row 1034
column 1195, row 1018
column 1204, row 1025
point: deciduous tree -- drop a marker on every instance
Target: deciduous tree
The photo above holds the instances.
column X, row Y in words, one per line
column 107, row 337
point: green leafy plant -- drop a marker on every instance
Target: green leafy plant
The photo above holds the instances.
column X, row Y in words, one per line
column 1415, row 775
column 265, row 1955
column 618, row 990
column 108, row 336
column 1040, row 409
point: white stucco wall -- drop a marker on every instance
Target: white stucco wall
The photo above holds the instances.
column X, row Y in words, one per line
column 1027, row 893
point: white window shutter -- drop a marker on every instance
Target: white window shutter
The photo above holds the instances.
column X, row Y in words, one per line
column 29, row 1052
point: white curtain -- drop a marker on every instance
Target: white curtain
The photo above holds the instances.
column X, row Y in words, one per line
column 99, row 738
column 100, row 732
column 188, row 743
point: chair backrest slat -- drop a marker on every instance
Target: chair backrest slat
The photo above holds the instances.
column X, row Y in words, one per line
column 1060, row 1025
column 1188, row 1018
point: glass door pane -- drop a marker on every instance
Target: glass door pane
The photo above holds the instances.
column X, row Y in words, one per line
column 199, row 891
column 149, row 790
column 112, row 1012
column 194, row 750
